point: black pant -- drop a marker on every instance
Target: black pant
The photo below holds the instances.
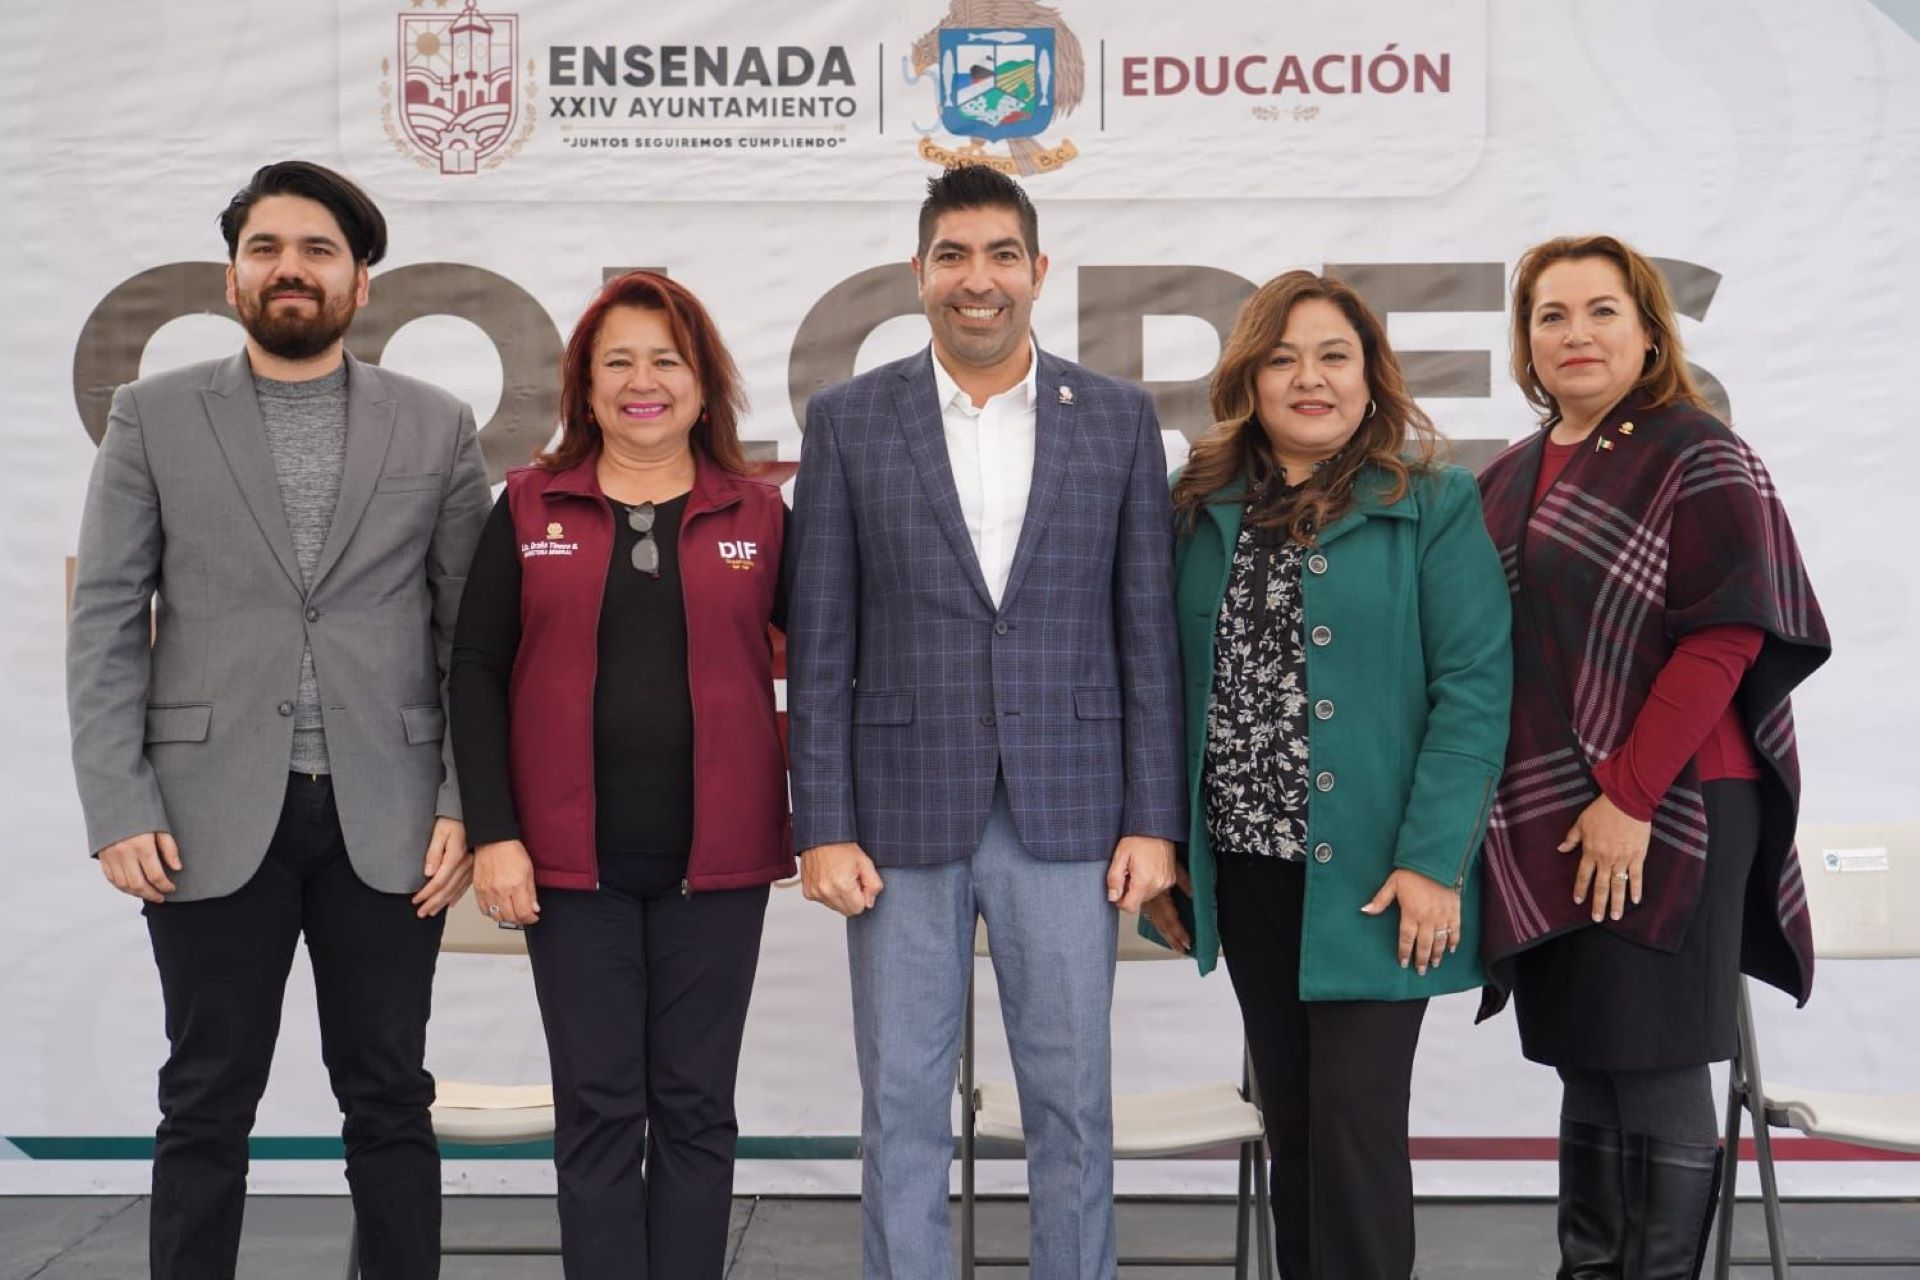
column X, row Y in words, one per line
column 644, row 992
column 223, row 973
column 1335, row 1078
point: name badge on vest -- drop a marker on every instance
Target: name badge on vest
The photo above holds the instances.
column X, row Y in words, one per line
column 551, row 545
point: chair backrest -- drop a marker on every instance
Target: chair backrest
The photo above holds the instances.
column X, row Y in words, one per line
column 1132, row 945
column 471, row 932
column 1863, row 889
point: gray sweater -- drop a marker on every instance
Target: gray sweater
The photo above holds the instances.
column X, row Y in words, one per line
column 306, row 426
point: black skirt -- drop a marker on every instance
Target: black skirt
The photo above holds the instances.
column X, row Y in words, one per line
column 1591, row 1000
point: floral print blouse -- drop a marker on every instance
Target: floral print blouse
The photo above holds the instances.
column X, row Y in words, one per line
column 1255, row 780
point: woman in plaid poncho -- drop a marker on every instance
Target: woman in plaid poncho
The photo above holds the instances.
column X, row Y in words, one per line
column 1640, row 852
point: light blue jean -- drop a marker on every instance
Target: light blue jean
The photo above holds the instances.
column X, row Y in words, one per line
column 1052, row 935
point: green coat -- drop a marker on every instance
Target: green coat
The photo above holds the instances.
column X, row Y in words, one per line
column 1418, row 670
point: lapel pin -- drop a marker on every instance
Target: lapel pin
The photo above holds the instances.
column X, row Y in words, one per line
column 1605, row 443
column 1066, row 395
column 1626, row 428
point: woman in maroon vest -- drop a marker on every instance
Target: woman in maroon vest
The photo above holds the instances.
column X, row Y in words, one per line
column 622, row 772
column 1641, row 847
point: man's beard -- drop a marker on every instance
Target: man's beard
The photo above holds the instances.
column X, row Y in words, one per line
column 293, row 335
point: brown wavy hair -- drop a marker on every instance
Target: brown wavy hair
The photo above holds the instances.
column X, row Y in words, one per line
column 717, row 431
column 1395, row 438
column 1667, row 379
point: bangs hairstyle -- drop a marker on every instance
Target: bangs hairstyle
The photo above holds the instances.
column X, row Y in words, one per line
column 1665, row 380
column 716, row 433
column 1395, row 438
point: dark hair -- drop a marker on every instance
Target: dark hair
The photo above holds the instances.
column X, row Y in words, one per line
column 975, row 186
column 1395, row 437
column 359, row 218
column 1665, row 380
column 716, row 434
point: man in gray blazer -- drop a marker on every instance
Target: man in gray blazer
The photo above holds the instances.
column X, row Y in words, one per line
column 984, row 691
column 270, row 565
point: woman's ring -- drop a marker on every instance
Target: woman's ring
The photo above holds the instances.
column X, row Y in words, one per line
column 1621, row 875
column 493, row 910
column 1441, row 933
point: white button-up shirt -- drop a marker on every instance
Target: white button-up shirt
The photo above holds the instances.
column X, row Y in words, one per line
column 991, row 449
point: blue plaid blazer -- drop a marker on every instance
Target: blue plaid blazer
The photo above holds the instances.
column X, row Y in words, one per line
column 908, row 691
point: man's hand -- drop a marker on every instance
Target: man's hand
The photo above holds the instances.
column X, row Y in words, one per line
column 1142, row 868
column 449, row 868
column 840, row 875
column 1164, row 914
column 1429, row 917
column 503, row 883
column 1613, row 853
column 134, row 865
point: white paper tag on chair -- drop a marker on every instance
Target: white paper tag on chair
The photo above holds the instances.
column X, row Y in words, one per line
column 1849, row 861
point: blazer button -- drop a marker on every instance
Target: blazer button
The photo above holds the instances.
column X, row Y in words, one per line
column 285, row 708
column 313, row 615
column 1323, row 636
column 1323, row 853
column 987, row 719
column 1316, row 563
column 1323, row 710
column 1323, row 781
column 1001, row 628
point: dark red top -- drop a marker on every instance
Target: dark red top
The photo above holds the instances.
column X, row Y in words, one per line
column 1689, row 712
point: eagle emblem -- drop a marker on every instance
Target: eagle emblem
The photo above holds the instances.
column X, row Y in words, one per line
column 1006, row 69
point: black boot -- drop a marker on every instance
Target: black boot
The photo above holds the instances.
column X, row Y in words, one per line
column 1671, row 1198
column 1592, row 1212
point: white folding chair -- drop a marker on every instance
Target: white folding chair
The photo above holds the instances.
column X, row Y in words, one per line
column 481, row 1114
column 1146, row 1126
column 1862, row 882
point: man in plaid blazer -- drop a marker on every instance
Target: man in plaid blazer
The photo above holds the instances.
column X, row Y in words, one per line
column 983, row 684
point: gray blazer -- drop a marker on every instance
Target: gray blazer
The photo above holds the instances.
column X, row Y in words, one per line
column 191, row 731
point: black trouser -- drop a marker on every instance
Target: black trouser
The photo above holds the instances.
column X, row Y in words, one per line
column 223, row 973
column 1335, row 1078
column 644, row 992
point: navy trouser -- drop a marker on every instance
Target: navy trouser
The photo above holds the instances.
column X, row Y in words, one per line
column 644, row 992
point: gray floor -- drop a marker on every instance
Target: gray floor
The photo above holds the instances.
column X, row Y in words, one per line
column 303, row 1238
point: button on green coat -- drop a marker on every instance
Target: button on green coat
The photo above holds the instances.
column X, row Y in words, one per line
column 1408, row 700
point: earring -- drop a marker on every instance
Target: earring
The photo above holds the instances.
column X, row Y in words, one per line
column 1370, row 407
column 1529, row 368
column 1656, row 351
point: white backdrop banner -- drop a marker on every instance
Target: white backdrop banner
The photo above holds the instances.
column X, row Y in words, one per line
column 772, row 157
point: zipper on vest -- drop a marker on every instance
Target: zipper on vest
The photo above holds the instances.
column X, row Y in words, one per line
column 686, row 890
column 1460, row 876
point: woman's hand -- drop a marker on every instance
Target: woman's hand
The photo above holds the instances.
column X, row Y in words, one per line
column 503, row 883
column 1613, row 852
column 1164, row 915
column 1429, row 917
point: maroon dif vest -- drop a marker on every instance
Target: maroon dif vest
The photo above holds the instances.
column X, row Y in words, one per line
column 730, row 540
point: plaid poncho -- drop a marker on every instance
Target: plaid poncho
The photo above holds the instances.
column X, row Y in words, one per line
column 1665, row 523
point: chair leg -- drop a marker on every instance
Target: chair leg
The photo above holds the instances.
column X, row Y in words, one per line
column 1240, row 1214
column 1263, row 1212
column 1257, row 1154
column 1762, row 1141
column 967, row 1249
column 1723, row 1243
column 353, row 1244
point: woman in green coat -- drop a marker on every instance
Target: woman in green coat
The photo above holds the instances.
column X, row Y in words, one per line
column 1344, row 629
